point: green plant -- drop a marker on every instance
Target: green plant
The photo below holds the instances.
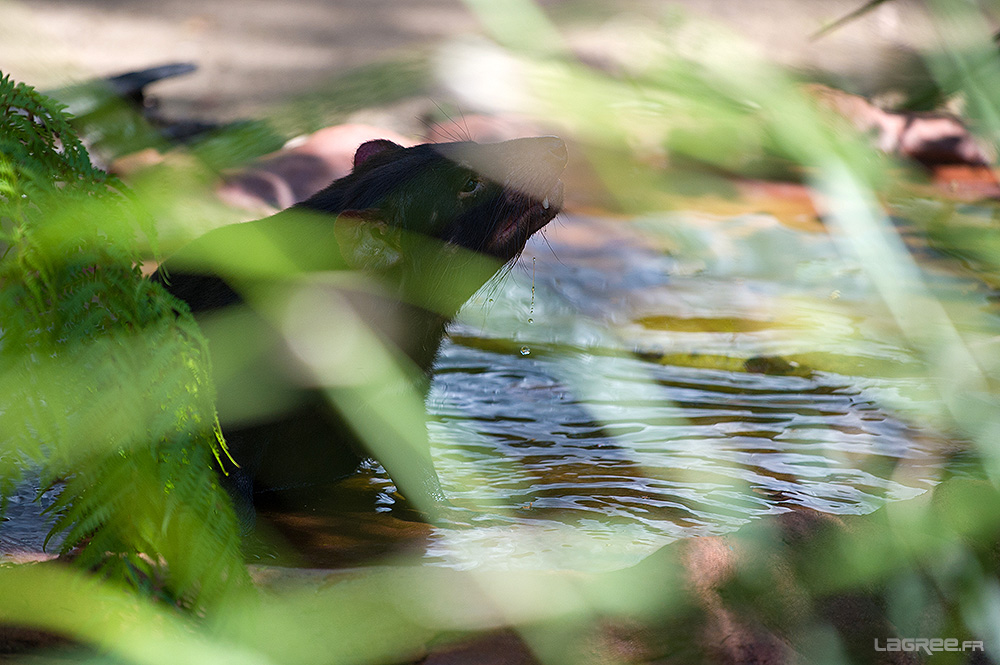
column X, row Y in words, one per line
column 104, row 381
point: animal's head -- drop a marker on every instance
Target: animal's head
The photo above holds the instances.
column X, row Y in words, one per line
column 488, row 198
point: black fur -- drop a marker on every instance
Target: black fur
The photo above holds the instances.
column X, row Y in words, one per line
column 428, row 226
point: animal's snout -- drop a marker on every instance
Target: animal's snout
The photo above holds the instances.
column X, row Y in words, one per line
column 553, row 151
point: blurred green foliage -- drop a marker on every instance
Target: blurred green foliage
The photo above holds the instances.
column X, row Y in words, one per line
column 104, row 380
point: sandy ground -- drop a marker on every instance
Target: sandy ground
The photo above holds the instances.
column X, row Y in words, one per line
column 254, row 54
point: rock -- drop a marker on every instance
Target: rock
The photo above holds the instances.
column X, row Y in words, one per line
column 305, row 166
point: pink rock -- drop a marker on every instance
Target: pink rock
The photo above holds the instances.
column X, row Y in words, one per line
column 302, row 168
column 928, row 138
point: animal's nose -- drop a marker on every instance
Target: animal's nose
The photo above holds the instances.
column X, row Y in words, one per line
column 554, row 150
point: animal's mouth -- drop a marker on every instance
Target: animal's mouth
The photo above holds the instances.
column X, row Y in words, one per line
column 509, row 239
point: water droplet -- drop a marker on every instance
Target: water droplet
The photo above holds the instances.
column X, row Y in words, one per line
column 525, row 351
column 530, row 320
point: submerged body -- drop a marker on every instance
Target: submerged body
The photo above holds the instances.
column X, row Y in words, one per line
column 292, row 303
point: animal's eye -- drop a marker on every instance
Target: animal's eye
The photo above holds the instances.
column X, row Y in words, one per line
column 471, row 186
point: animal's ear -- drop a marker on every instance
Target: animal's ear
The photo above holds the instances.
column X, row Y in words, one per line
column 369, row 149
column 366, row 242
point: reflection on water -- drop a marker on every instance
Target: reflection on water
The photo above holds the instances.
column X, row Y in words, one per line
column 627, row 427
column 687, row 451
column 23, row 525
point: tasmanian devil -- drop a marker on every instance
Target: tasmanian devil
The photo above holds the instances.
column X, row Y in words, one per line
column 293, row 305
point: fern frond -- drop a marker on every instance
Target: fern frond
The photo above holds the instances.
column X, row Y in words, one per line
column 105, row 375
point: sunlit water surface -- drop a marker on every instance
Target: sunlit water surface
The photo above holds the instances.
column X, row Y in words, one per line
column 590, row 412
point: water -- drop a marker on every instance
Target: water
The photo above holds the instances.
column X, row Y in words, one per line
column 687, row 452
column 24, row 525
column 634, row 422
